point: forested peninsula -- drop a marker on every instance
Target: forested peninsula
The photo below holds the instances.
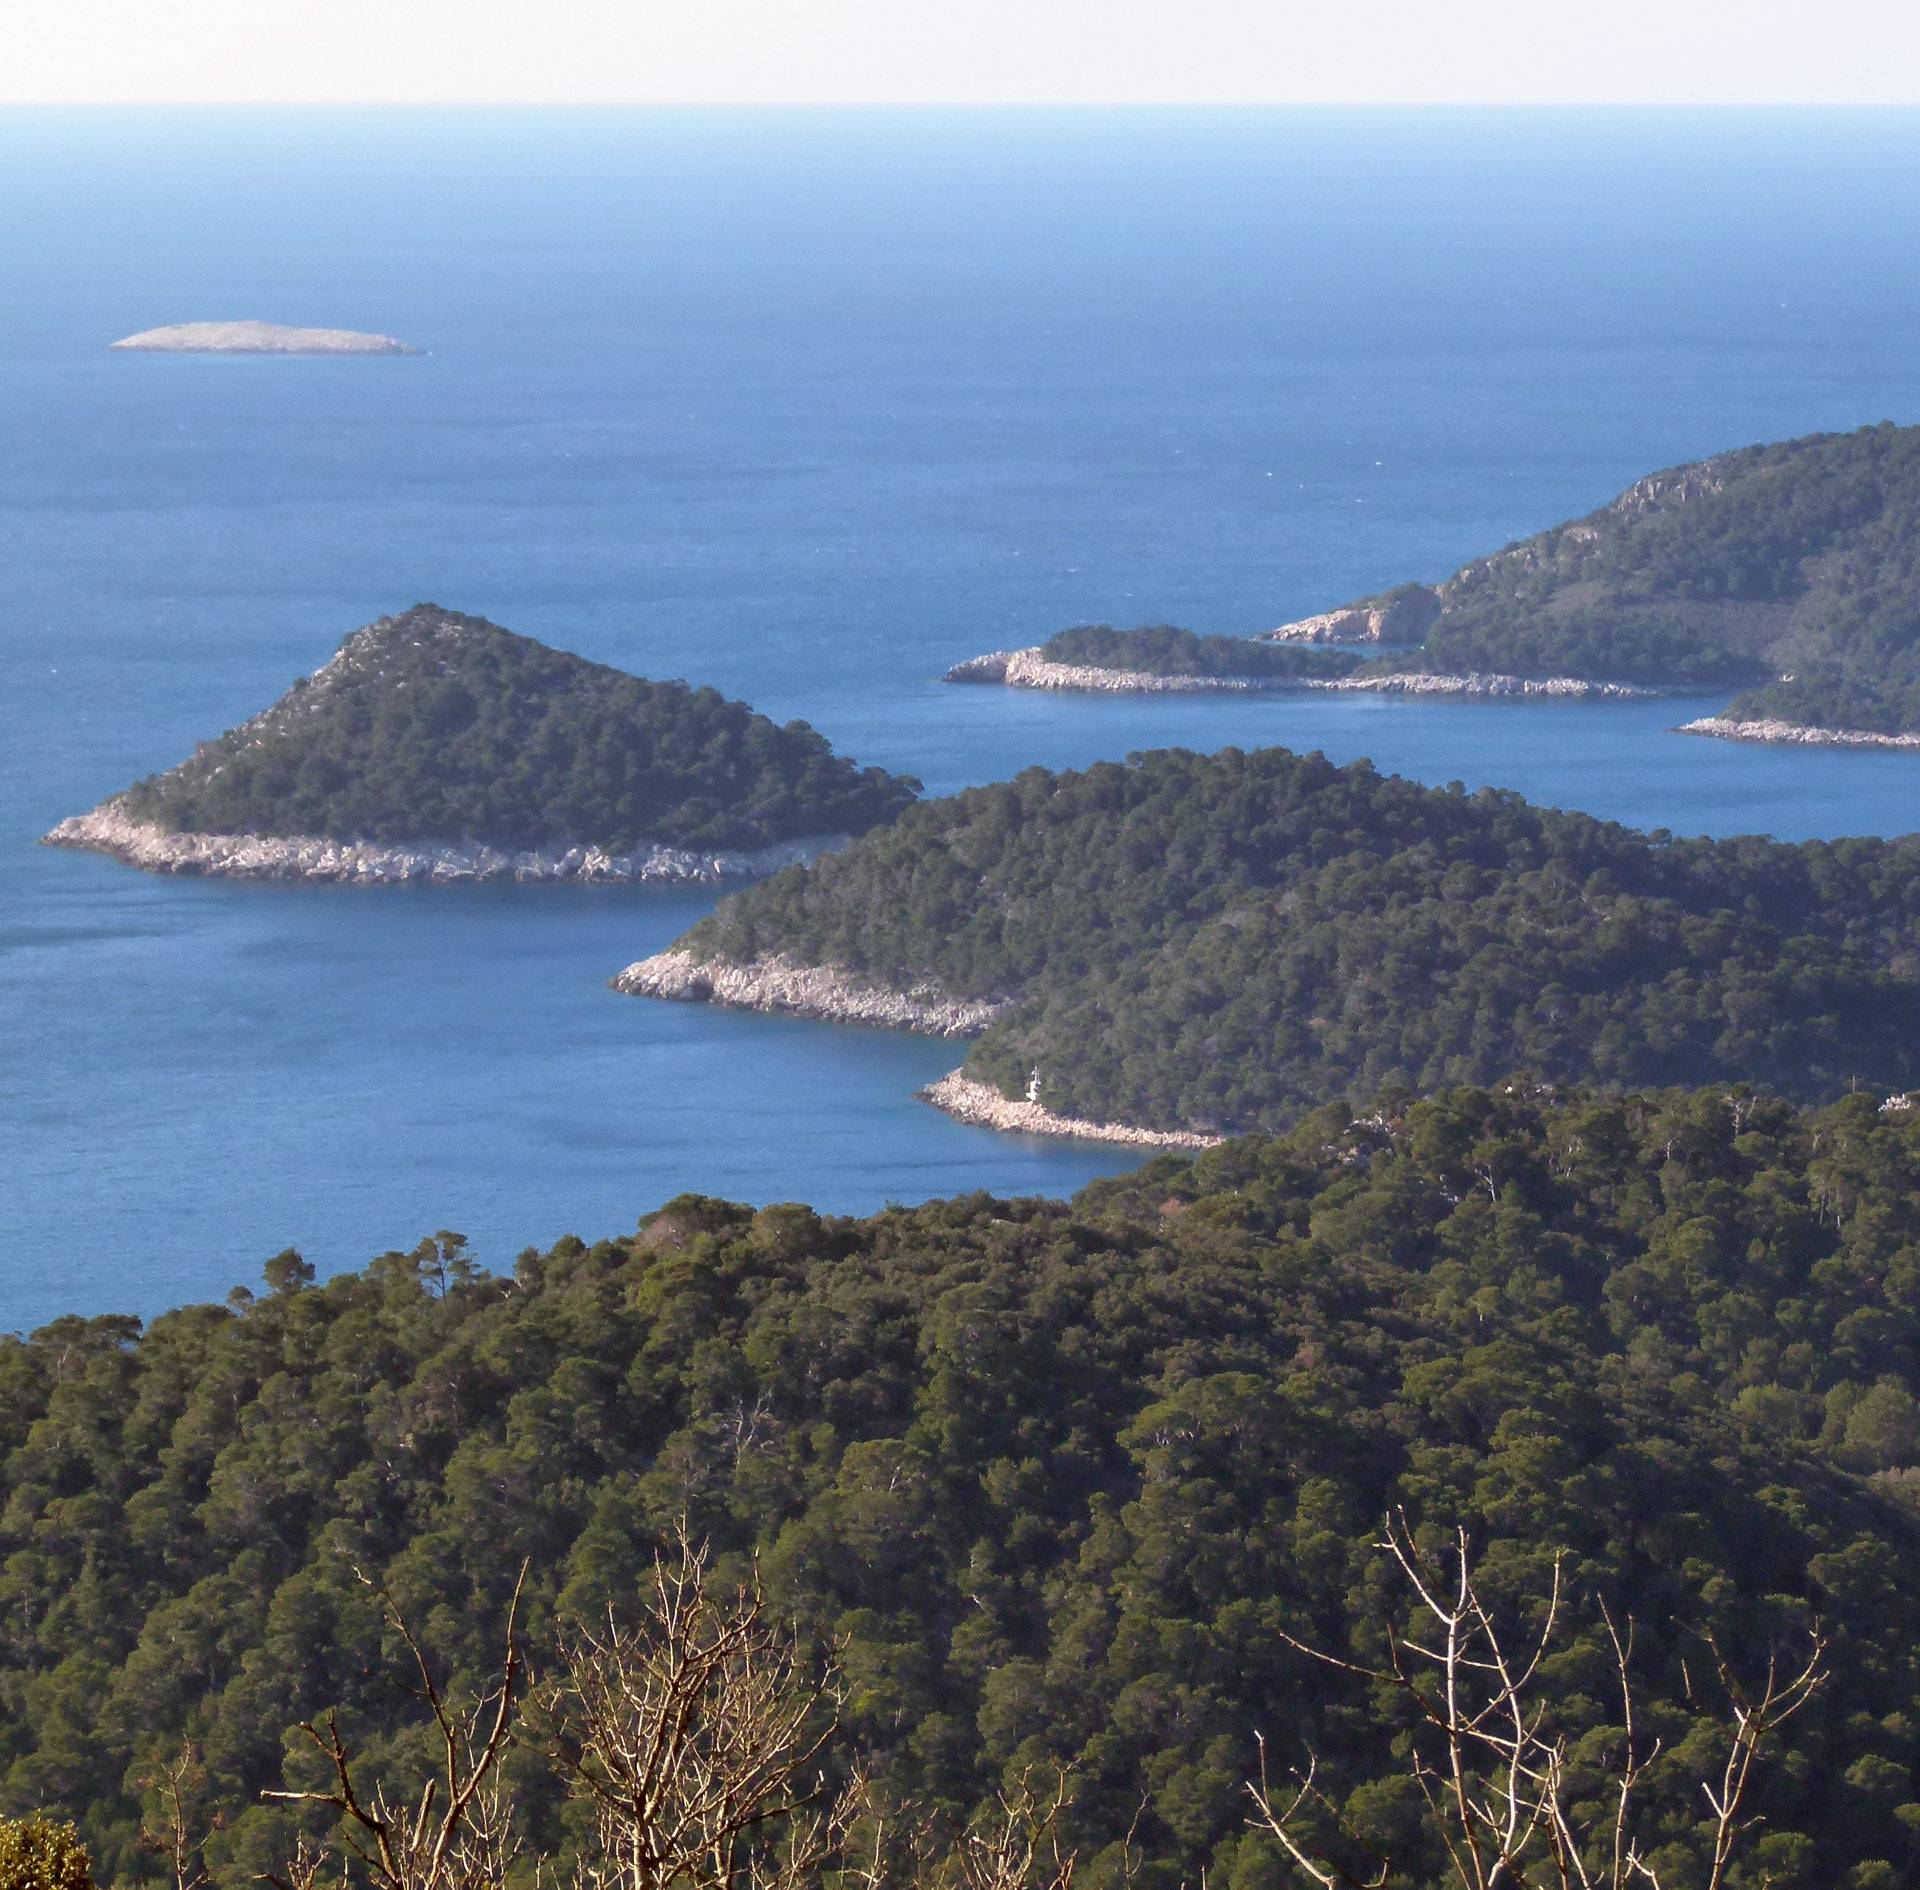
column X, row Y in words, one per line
column 1061, row 1481
column 1789, row 571
column 440, row 746
column 1208, row 945
column 1162, row 659
column 1154, row 657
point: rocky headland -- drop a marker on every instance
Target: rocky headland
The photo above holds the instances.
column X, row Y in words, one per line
column 830, row 993
column 1728, row 728
column 257, row 338
column 1746, row 573
column 110, row 829
column 959, row 1096
column 1399, row 620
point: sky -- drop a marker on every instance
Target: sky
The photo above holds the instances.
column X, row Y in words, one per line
column 966, row 51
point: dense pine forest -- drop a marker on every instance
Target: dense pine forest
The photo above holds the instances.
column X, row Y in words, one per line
column 1787, row 568
column 1217, row 942
column 1062, row 1479
column 435, row 726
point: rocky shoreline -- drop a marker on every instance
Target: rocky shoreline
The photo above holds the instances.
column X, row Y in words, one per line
column 1727, row 729
column 111, row 830
column 959, row 1096
column 1491, row 686
column 785, row 987
column 1028, row 669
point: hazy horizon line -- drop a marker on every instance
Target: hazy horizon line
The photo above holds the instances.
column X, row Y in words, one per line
column 963, row 104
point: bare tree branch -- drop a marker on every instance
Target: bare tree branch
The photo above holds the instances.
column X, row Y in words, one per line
column 1490, row 1771
column 455, row 1834
column 697, row 1735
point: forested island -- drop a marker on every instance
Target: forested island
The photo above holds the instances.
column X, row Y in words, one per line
column 1205, row 945
column 1062, row 1482
column 1788, row 571
column 440, row 746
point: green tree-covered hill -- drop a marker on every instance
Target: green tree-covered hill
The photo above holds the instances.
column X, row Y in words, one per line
column 1060, row 1477
column 1791, row 568
column 436, row 726
column 1218, row 942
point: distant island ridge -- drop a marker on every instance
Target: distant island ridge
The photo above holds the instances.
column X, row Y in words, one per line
column 1789, row 573
column 257, row 338
column 437, row 746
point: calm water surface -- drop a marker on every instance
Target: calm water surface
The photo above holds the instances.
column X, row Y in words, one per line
column 805, row 405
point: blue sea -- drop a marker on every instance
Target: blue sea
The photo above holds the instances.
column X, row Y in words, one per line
column 806, row 405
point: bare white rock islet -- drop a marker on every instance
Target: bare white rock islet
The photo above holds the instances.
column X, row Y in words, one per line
column 257, row 338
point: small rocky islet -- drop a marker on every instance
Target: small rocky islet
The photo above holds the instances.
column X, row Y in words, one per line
column 435, row 746
column 250, row 337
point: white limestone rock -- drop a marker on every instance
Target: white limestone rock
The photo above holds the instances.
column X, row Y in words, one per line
column 827, row 992
column 110, row 829
column 257, row 338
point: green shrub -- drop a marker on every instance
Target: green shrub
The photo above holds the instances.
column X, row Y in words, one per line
column 38, row 1854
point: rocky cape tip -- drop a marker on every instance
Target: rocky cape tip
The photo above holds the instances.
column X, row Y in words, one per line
column 960, row 1096
column 828, row 992
column 1727, row 728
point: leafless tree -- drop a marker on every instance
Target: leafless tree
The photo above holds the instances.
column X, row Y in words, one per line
column 1014, row 1843
column 455, row 1835
column 1493, row 1773
column 1017, row 1845
column 697, row 1734
column 310, row 1866
column 176, row 1834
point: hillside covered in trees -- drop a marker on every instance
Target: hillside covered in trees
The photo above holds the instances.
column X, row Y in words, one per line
column 1061, row 1479
column 1791, row 569
column 436, row 726
column 1217, row 942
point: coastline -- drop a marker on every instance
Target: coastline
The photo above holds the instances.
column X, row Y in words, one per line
column 959, row 1096
column 1728, row 729
column 1028, row 669
column 1493, row 686
column 111, row 830
column 783, row 987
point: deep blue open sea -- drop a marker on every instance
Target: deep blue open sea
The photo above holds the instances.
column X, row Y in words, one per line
column 806, row 405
